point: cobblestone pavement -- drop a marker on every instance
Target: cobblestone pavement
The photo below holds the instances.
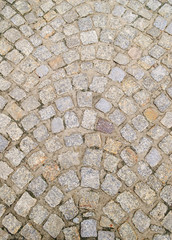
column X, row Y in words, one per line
column 86, row 119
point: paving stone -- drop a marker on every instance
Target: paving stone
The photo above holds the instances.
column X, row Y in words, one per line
column 24, row 204
column 14, row 131
column 140, row 123
column 154, row 183
column 21, row 177
column 166, row 194
column 53, row 144
column 63, row 86
column 29, row 232
column 73, row 140
column 128, row 133
column 50, row 171
column 93, row 140
column 27, row 144
column 117, row 117
column 111, row 163
column 156, row 132
column 7, row 195
column 71, row 119
column 92, row 157
column 11, row 223
column 38, row 214
column 71, row 233
column 68, row 209
column 141, row 221
column 37, row 186
column 88, row 199
column 80, row 81
column 106, row 235
column 90, row 178
column 54, row 225
column 64, row 104
column 127, row 201
column 146, row 194
column 47, row 112
column 3, row 143
column 128, row 106
column 127, row 232
column 104, row 126
column 112, row 146
column 142, row 97
column 117, row 74
column 129, row 156
column 143, row 169
column 57, row 125
column 159, row 211
column 153, row 157
column 54, row 196
column 159, row 73
column 69, row 180
column 127, row 175
column 160, row 23
column 114, row 211
column 3, row 102
column 103, row 105
column 88, row 228
column 42, row 53
column 111, row 185
column 163, row 172
column 165, row 144
column 167, row 221
column 5, row 170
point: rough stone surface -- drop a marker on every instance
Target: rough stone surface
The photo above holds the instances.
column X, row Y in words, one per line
column 86, row 119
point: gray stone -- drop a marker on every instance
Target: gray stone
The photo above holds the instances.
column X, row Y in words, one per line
column 38, row 214
column 42, row 53
column 128, row 133
column 111, row 185
column 80, row 81
column 127, row 232
column 166, row 144
column 30, row 233
column 166, row 120
column 98, row 84
column 30, row 103
column 21, row 177
column 159, row 73
column 24, row 204
column 89, row 119
column 143, row 169
column 42, row 71
column 117, row 117
column 169, row 29
column 85, row 24
column 14, row 131
column 140, row 123
column 89, row 228
column 159, row 211
column 47, row 112
column 84, row 10
column 74, row 139
column 53, row 144
column 7, row 195
column 163, row 172
column 14, row 156
column 92, row 157
column 69, row 180
column 117, row 74
column 143, row 146
column 71, row 56
column 103, row 105
column 167, row 221
column 64, row 104
column 90, row 178
column 128, row 106
column 11, row 223
column 157, row 52
column 141, row 221
column 166, row 194
column 41, row 133
column 160, row 23
column 127, row 175
column 3, row 102
column 53, row 225
column 68, row 209
column 63, row 86
column 57, row 125
column 84, row 99
column 106, row 235
column 111, row 163
column 68, row 159
column 37, row 186
column 71, row 232
column 128, row 201
column 88, row 37
column 27, row 144
column 71, row 119
column 3, row 143
column 146, row 194
column 54, row 197
column 154, row 183
column 153, row 157
column 114, row 212
column 5, row 170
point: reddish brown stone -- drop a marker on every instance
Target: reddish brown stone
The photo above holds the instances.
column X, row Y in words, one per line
column 104, row 126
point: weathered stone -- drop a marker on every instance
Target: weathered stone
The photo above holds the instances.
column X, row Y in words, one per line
column 104, row 126
column 53, row 225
